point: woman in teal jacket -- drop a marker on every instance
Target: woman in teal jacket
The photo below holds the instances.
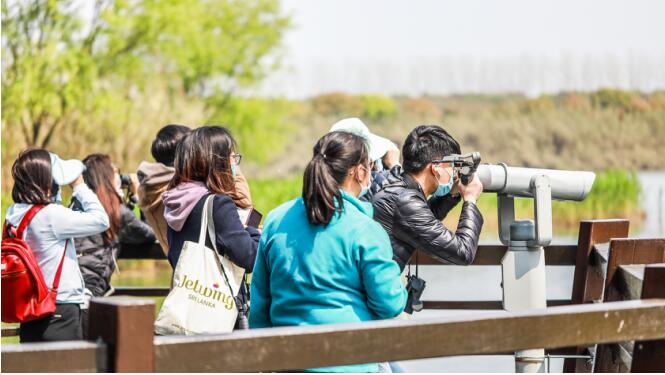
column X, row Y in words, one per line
column 322, row 259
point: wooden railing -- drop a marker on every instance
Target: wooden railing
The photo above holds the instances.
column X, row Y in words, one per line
column 618, row 291
column 124, row 328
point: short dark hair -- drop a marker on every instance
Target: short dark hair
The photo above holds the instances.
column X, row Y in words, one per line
column 163, row 147
column 32, row 177
column 426, row 143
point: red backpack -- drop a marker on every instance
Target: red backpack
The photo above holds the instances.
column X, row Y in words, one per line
column 25, row 295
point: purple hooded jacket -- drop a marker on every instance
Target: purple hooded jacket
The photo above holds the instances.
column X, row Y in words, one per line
column 183, row 209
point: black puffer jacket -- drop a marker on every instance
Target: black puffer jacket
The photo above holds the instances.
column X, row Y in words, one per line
column 97, row 258
column 412, row 222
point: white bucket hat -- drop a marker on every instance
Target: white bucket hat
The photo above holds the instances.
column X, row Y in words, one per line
column 378, row 146
column 64, row 172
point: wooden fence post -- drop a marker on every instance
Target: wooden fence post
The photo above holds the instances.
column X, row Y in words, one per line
column 649, row 356
column 587, row 285
column 126, row 325
column 624, row 251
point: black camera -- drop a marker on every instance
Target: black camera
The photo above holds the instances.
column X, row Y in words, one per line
column 415, row 287
column 464, row 165
column 126, row 184
column 125, row 180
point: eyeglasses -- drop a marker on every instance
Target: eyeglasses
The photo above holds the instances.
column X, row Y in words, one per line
column 235, row 158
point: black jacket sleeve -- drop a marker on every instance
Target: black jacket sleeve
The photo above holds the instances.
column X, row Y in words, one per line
column 421, row 229
column 440, row 206
column 234, row 240
column 132, row 229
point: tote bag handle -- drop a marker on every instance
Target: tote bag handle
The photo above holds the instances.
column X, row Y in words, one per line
column 208, row 222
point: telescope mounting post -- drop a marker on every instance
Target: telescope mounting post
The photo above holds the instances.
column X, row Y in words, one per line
column 523, row 266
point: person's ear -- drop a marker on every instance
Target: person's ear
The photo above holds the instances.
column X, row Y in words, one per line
column 434, row 171
column 360, row 173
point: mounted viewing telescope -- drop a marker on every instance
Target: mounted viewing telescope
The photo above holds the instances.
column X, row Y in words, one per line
column 515, row 181
column 523, row 265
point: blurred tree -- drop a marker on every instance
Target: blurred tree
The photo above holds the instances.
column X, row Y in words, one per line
column 378, row 107
column 541, row 104
column 613, row 98
column 58, row 70
column 260, row 126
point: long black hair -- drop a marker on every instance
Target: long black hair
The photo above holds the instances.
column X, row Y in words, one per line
column 334, row 154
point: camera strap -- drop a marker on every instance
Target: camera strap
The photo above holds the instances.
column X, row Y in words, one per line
column 409, row 265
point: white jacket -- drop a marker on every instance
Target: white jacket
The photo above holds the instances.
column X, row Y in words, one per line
column 51, row 228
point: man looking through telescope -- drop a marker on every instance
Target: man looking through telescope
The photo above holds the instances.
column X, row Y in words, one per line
column 412, row 220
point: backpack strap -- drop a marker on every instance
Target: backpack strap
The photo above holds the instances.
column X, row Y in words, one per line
column 56, row 280
column 27, row 218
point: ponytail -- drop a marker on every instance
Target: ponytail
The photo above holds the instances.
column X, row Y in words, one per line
column 334, row 154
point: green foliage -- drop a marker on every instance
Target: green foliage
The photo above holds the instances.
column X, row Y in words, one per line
column 137, row 66
column 61, row 76
column 267, row 194
column 541, row 104
column 260, row 126
column 378, row 107
column 6, row 202
column 611, row 98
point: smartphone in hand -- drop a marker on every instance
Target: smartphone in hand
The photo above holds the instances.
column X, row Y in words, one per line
column 254, row 219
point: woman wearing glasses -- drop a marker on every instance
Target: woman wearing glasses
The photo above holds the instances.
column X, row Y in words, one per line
column 205, row 163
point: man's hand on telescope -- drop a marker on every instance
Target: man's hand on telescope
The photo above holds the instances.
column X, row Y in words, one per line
column 471, row 192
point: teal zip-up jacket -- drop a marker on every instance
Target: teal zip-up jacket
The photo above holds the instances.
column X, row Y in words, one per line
column 313, row 274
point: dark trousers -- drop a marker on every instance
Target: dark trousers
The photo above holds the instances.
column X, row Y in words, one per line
column 64, row 324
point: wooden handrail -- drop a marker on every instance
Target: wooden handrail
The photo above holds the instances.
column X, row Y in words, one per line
column 301, row 347
column 129, row 339
column 63, row 356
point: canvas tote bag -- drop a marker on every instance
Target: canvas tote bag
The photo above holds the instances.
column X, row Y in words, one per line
column 204, row 285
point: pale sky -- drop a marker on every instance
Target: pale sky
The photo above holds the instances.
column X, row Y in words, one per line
column 471, row 45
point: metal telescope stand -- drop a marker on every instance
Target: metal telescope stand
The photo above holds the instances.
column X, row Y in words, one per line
column 523, row 266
